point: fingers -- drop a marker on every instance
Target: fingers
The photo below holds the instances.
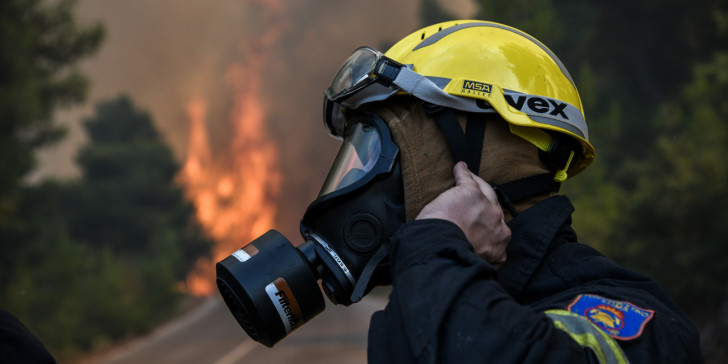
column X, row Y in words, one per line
column 464, row 177
column 472, row 206
column 486, row 189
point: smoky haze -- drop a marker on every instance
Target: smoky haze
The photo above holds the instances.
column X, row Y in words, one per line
column 166, row 53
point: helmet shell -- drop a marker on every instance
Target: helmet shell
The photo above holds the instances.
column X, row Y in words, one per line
column 508, row 62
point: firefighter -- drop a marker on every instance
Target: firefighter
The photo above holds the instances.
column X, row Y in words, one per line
column 488, row 123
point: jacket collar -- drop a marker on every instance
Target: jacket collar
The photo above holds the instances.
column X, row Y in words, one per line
column 532, row 232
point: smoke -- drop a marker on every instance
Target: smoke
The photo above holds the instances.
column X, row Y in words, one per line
column 166, row 54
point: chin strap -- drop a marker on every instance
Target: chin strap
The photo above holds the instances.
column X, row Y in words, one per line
column 521, row 189
column 555, row 153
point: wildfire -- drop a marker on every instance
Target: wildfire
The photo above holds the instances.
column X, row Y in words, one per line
column 235, row 192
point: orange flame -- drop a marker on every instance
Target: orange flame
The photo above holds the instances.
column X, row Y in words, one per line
column 235, row 192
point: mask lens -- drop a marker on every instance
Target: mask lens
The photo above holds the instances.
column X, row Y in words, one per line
column 357, row 157
column 354, row 73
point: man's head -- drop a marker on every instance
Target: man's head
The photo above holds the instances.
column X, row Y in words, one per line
column 476, row 91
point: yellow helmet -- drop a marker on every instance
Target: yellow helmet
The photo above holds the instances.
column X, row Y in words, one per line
column 513, row 72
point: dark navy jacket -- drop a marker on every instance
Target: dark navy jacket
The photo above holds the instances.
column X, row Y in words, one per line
column 448, row 305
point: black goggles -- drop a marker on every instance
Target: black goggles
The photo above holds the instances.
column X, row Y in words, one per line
column 369, row 76
column 365, row 69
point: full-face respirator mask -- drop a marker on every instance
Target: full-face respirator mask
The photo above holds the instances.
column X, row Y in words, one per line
column 271, row 287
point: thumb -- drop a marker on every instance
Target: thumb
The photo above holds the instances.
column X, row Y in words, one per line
column 462, row 175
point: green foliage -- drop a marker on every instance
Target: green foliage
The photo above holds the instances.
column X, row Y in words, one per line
column 39, row 45
column 638, row 59
column 653, row 76
column 539, row 17
column 85, row 262
column 128, row 200
column 598, row 206
column 681, row 206
column 42, row 269
column 64, row 291
column 91, row 261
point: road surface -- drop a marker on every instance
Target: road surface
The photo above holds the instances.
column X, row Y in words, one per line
column 210, row 334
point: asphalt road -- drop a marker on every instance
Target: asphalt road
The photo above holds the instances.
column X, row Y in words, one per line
column 210, row 334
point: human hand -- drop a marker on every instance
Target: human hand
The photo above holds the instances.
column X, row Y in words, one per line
column 473, row 206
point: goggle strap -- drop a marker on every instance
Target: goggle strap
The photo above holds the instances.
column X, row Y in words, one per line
column 426, row 90
column 388, row 71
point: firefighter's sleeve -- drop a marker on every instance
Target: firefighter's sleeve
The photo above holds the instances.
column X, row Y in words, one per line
column 446, row 306
column 587, row 335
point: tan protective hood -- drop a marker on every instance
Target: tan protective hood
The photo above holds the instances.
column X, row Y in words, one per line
column 426, row 160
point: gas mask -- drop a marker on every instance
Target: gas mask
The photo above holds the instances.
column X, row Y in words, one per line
column 271, row 287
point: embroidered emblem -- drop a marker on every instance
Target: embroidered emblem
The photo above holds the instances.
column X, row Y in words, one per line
column 619, row 319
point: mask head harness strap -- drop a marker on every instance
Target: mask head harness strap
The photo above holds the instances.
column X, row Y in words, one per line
column 556, row 152
column 465, row 146
column 523, row 188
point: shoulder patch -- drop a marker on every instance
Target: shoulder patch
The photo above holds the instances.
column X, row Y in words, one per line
column 619, row 319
